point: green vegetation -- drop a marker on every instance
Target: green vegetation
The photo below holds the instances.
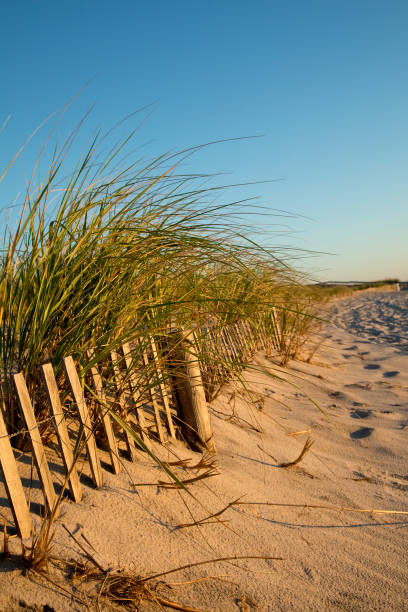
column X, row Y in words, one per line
column 112, row 255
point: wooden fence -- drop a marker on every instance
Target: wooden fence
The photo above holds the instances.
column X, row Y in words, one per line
column 177, row 407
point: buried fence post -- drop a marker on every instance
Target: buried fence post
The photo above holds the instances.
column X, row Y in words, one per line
column 191, row 395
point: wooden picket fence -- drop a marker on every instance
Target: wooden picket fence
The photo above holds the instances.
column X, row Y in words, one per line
column 177, row 398
column 225, row 350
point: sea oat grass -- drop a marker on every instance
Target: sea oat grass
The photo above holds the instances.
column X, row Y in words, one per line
column 108, row 256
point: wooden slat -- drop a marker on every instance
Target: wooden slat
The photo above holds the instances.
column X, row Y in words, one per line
column 40, row 459
column 12, row 483
column 78, row 395
column 221, row 348
column 278, row 330
column 237, row 342
column 242, row 345
column 156, row 408
column 130, row 442
column 106, row 418
column 217, row 351
column 230, row 343
column 250, row 335
column 222, row 351
column 136, row 397
column 247, row 348
column 265, row 336
column 163, row 389
column 191, row 394
column 62, row 431
column 221, row 342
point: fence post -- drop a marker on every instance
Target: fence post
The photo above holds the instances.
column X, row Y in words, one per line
column 162, row 387
column 62, row 431
column 277, row 330
column 191, row 395
column 78, row 396
column 105, row 416
column 159, row 424
column 127, row 353
column 117, row 374
column 12, row 483
column 39, row 455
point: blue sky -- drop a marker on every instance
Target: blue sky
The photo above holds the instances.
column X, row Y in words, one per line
column 324, row 82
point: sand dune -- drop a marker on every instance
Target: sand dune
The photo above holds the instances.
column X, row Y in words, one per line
column 332, row 560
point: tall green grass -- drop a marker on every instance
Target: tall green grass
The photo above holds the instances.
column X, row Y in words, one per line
column 112, row 254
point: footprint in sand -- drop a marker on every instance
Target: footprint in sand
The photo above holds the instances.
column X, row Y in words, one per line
column 400, row 482
column 363, row 432
column 309, row 573
column 390, row 374
column 338, row 394
column 359, row 476
column 372, row 366
column 360, row 414
column 351, row 348
column 362, row 385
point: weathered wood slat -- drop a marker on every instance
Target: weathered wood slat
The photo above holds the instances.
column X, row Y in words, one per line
column 218, row 350
column 237, row 343
column 12, row 483
column 78, row 395
column 244, row 338
column 127, row 353
column 130, row 442
column 241, row 347
column 163, row 389
column 39, row 456
column 221, row 343
column 265, row 337
column 156, row 408
column 62, row 431
column 191, row 393
column 225, row 345
column 106, row 418
column 229, row 344
column 277, row 329
column 250, row 335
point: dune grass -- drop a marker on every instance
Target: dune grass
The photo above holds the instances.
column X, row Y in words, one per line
column 109, row 254
column 118, row 254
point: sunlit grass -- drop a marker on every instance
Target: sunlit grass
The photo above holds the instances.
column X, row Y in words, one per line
column 113, row 254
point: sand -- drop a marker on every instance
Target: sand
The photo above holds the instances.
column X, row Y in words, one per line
column 331, row 560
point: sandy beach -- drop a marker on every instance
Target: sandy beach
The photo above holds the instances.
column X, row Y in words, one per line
column 204, row 307
column 351, row 400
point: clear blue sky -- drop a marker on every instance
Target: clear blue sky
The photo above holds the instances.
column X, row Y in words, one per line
column 325, row 82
